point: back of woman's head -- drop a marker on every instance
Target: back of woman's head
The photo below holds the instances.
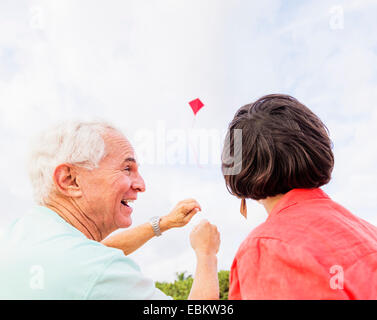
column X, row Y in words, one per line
column 284, row 146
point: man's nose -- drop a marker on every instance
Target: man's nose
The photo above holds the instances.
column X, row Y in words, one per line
column 139, row 184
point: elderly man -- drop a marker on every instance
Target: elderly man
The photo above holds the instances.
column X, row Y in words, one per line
column 84, row 177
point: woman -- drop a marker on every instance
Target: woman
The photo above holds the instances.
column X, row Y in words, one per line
column 309, row 247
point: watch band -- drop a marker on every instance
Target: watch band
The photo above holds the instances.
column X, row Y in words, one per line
column 155, row 222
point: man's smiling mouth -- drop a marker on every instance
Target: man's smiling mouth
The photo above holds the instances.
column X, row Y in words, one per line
column 126, row 203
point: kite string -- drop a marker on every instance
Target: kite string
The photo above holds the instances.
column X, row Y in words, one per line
column 193, row 122
column 193, row 146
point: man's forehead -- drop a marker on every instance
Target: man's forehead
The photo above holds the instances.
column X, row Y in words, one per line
column 118, row 145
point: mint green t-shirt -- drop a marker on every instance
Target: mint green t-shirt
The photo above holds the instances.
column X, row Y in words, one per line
column 44, row 257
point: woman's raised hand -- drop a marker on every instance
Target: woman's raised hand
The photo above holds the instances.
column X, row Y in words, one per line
column 205, row 238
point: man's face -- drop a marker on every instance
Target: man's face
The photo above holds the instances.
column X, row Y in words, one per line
column 107, row 189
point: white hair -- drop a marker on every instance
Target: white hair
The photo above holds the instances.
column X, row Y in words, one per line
column 74, row 142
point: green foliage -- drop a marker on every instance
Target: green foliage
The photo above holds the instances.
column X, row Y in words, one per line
column 181, row 276
column 223, row 284
column 181, row 287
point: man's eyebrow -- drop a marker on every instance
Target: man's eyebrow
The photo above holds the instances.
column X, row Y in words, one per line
column 130, row 159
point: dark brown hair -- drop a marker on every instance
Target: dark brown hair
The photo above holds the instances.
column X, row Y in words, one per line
column 284, row 146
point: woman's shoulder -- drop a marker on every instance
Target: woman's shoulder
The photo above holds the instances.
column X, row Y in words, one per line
column 294, row 226
column 324, row 229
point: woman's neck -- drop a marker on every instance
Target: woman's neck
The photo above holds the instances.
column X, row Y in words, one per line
column 270, row 202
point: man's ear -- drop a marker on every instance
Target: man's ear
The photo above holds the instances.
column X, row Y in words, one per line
column 66, row 182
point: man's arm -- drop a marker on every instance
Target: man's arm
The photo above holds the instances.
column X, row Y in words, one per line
column 132, row 239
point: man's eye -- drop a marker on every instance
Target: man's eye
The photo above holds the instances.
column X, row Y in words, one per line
column 127, row 169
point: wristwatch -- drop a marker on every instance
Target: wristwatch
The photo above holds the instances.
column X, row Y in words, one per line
column 155, row 222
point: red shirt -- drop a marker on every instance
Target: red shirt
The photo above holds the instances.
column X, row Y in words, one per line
column 308, row 248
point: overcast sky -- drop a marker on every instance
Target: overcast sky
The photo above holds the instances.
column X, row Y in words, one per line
column 137, row 64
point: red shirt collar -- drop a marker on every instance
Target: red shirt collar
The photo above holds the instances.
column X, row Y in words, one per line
column 295, row 196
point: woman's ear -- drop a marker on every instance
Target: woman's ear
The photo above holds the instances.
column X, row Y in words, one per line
column 65, row 180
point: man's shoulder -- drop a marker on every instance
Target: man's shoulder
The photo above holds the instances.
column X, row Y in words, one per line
column 44, row 232
column 70, row 263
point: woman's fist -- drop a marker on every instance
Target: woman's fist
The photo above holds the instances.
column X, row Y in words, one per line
column 205, row 238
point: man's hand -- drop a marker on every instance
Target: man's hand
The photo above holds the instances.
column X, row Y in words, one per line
column 180, row 215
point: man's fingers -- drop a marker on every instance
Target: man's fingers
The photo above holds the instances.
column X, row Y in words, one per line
column 191, row 214
column 190, row 203
column 192, row 206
